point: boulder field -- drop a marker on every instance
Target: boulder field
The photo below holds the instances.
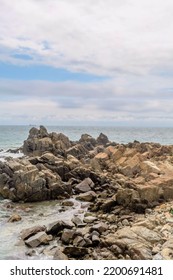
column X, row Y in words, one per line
column 128, row 188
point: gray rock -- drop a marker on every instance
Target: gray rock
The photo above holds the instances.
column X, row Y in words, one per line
column 67, row 235
column 78, row 221
column 84, row 186
column 38, row 239
column 78, row 240
column 100, row 227
column 95, row 239
column 26, row 233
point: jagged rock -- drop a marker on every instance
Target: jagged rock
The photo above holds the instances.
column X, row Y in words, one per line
column 84, row 186
column 57, row 226
column 77, row 221
column 149, row 167
column 26, row 233
column 67, row 235
column 102, row 139
column 79, row 241
column 77, row 151
column 38, row 239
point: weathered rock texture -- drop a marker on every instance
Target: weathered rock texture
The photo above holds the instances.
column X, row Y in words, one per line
column 128, row 190
column 136, row 175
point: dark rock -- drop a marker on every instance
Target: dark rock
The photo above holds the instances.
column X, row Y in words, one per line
column 56, row 227
column 108, row 205
column 75, row 251
column 102, row 139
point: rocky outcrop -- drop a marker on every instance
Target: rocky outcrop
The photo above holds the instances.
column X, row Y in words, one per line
column 139, row 174
column 22, row 181
column 40, row 141
column 125, row 194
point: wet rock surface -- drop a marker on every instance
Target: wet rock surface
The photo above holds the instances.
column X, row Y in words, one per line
column 127, row 191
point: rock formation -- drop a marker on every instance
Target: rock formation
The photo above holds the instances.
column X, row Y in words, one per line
column 117, row 181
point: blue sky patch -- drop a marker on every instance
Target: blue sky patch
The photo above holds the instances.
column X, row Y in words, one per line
column 22, row 56
column 43, row 72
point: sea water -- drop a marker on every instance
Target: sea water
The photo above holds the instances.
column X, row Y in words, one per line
column 12, row 137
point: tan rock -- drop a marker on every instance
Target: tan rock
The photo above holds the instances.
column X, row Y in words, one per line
column 102, row 156
column 149, row 167
column 14, row 218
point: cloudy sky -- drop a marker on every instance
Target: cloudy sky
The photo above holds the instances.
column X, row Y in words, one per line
column 104, row 62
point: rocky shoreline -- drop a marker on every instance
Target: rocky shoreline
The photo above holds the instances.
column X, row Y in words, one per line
column 127, row 192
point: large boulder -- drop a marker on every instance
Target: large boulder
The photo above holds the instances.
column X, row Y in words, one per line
column 26, row 182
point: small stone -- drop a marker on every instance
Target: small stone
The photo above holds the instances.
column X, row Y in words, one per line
column 95, row 239
column 89, row 219
column 125, row 222
column 68, row 203
column 101, row 227
column 77, row 241
column 14, row 218
column 77, row 221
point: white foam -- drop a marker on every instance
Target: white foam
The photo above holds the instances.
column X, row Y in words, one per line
column 5, row 154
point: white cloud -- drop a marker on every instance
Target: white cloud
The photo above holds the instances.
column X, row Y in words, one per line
column 51, row 103
column 99, row 36
column 130, row 41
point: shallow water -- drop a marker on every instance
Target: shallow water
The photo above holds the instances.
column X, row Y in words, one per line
column 41, row 213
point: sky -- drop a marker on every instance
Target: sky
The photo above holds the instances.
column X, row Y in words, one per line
column 75, row 62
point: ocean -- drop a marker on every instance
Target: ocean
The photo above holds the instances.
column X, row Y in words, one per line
column 12, row 137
